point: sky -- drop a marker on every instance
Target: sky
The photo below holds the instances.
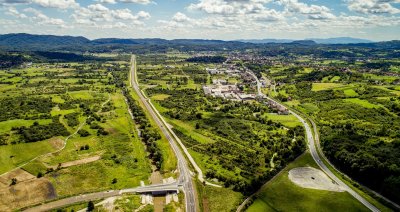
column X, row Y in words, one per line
column 375, row 20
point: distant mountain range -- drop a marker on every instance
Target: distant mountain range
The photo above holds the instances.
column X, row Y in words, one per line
column 29, row 42
column 338, row 40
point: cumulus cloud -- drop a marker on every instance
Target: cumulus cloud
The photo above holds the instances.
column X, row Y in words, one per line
column 211, row 18
column 180, row 17
column 107, row 1
column 43, row 19
column 228, row 7
column 14, row 12
column 100, row 16
column 373, row 6
column 61, row 4
column 136, row 1
column 311, row 11
column 10, row 2
column 125, row 1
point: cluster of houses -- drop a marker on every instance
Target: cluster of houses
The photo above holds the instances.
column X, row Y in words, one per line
column 230, row 71
column 220, row 88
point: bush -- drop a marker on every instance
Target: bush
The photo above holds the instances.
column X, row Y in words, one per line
column 83, row 133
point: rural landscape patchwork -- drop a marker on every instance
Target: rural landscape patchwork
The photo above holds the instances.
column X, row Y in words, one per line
column 207, row 117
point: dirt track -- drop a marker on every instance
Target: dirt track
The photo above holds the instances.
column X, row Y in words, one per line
column 77, row 162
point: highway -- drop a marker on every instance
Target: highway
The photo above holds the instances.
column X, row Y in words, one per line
column 185, row 178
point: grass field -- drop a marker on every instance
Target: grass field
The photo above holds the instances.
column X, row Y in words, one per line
column 5, row 126
column 160, row 97
column 81, row 95
column 350, row 93
column 335, row 79
column 280, row 194
column 308, row 108
column 325, row 86
column 286, row 120
column 95, row 176
column 12, row 156
column 361, row 102
column 215, row 199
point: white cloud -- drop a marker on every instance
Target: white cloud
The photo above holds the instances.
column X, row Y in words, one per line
column 43, row 19
column 311, row 11
column 136, row 1
column 98, row 7
column 180, row 17
column 125, row 1
column 99, row 16
column 229, row 7
column 14, row 12
column 107, row 1
column 60, row 4
column 373, row 6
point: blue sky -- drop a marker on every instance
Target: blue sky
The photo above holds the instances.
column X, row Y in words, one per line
column 207, row 19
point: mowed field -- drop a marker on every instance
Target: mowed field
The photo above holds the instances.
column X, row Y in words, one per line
column 325, row 86
column 12, row 156
column 280, row 194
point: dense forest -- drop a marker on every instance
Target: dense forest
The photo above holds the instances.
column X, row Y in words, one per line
column 11, row 60
column 38, row 132
column 207, row 59
column 25, row 108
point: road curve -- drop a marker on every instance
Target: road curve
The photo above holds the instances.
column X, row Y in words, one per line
column 319, row 149
column 185, row 177
column 314, row 153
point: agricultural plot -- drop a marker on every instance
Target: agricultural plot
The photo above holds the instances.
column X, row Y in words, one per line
column 325, row 86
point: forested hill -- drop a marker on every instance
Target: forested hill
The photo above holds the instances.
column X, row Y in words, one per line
column 22, row 40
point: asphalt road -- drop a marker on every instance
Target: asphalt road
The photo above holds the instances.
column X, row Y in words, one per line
column 185, row 178
column 72, row 200
column 101, row 195
column 314, row 153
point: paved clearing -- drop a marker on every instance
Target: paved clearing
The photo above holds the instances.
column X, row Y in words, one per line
column 308, row 177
